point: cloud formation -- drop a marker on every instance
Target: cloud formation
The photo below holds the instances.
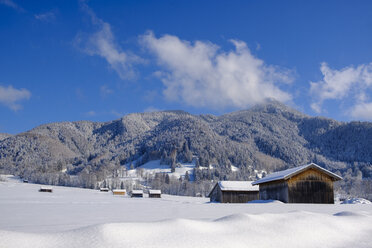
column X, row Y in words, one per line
column 362, row 110
column 201, row 75
column 351, row 82
column 102, row 43
column 105, row 91
column 11, row 4
column 11, row 97
column 46, row 17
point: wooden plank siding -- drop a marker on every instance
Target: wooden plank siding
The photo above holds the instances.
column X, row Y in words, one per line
column 154, row 195
column 277, row 190
column 310, row 186
column 217, row 195
column 239, row 196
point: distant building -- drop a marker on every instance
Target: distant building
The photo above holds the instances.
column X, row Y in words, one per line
column 234, row 192
column 154, row 193
column 304, row 184
column 119, row 192
column 104, row 189
column 137, row 193
column 46, row 189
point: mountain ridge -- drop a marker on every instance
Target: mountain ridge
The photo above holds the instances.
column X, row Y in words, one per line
column 266, row 137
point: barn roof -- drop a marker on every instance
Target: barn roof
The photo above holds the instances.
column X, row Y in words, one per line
column 46, row 187
column 155, row 191
column 286, row 174
column 237, row 186
column 137, row 191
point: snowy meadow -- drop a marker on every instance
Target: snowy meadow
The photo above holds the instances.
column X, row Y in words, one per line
column 74, row 217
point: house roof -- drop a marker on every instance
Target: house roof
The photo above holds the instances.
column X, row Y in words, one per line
column 137, row 191
column 286, row 174
column 155, row 191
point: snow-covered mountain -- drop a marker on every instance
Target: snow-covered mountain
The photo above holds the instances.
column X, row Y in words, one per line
column 266, row 137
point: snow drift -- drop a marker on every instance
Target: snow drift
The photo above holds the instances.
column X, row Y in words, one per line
column 296, row 229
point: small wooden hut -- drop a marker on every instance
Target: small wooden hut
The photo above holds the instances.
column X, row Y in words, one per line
column 304, row 184
column 234, row 192
column 104, row 189
column 137, row 193
column 119, row 192
column 46, row 189
column 154, row 193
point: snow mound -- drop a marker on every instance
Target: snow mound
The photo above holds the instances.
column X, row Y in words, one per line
column 347, row 213
column 296, row 229
column 356, row 201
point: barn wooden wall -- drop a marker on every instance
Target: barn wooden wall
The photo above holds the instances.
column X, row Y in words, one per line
column 239, row 196
column 311, row 186
column 154, row 196
column 277, row 190
column 216, row 194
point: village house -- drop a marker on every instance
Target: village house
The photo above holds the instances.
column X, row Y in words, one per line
column 234, row 192
column 46, row 189
column 137, row 193
column 154, row 193
column 304, row 184
column 119, row 192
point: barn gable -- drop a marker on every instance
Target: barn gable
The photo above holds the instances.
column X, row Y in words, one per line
column 287, row 174
column 304, row 184
column 234, row 192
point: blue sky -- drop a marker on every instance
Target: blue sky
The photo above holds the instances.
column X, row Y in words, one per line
column 99, row 60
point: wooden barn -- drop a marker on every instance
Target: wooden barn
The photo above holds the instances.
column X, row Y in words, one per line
column 46, row 189
column 119, row 192
column 304, row 184
column 154, row 193
column 234, row 192
column 137, row 193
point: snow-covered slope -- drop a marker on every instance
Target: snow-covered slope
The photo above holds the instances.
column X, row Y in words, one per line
column 154, row 166
column 72, row 217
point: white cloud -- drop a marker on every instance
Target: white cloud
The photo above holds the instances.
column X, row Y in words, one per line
column 151, row 109
column 11, row 97
column 362, row 110
column 105, row 90
column 102, row 43
column 339, row 84
column 116, row 113
column 200, row 74
column 91, row 113
column 47, row 16
column 11, row 4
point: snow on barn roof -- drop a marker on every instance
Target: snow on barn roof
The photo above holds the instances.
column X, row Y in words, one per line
column 237, row 186
column 46, row 187
column 286, row 174
column 137, row 191
column 155, row 191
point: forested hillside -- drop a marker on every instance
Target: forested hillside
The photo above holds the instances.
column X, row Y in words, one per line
column 266, row 137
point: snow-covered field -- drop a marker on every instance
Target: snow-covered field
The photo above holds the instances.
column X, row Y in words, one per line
column 71, row 217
